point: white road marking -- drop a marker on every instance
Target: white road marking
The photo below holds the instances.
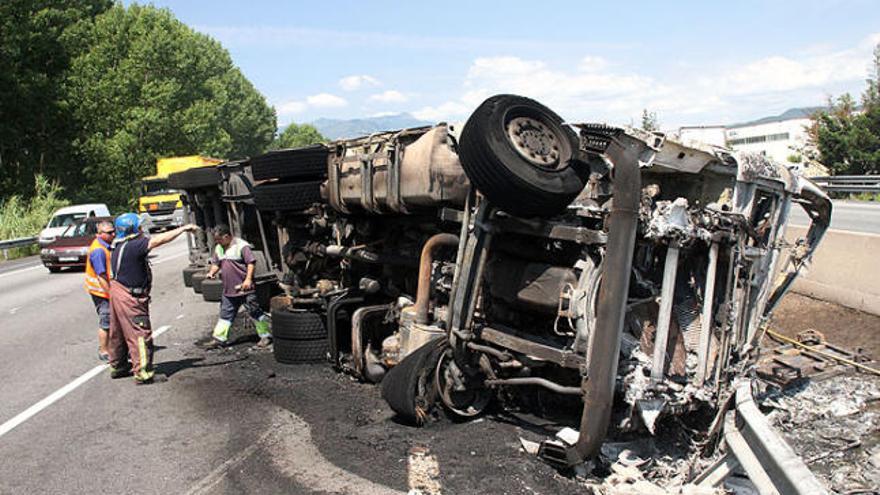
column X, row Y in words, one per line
column 423, row 472
column 16, row 272
column 61, row 392
column 14, row 310
column 180, row 316
column 159, row 331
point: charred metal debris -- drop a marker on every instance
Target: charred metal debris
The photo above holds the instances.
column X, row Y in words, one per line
column 610, row 272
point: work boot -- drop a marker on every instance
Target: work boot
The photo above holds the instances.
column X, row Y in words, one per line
column 144, row 377
column 215, row 344
column 264, row 343
column 120, row 372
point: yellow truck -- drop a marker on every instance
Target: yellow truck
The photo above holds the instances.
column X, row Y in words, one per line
column 160, row 203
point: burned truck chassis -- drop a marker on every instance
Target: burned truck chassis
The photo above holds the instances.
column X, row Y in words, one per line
column 651, row 251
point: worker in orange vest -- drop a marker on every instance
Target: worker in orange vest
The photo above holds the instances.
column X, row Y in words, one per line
column 97, row 282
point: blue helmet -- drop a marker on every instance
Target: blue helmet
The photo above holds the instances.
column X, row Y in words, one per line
column 127, row 224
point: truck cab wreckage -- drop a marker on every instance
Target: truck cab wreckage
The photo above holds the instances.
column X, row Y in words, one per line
column 520, row 256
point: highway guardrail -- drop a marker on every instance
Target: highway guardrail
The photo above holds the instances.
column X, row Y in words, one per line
column 5, row 246
column 849, row 183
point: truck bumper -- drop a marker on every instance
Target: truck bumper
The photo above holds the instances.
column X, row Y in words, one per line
column 169, row 220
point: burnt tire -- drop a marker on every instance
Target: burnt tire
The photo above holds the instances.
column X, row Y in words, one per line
column 188, row 273
column 409, row 387
column 195, row 178
column 298, row 163
column 197, row 280
column 298, row 325
column 299, row 351
column 521, row 157
column 287, row 197
column 212, row 289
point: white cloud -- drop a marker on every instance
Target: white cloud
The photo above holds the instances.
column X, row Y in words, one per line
column 390, row 96
column 290, row 107
column 592, row 63
column 326, row 100
column 446, row 111
column 592, row 90
column 351, row 83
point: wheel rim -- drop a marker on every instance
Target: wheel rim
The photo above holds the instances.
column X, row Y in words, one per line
column 534, row 141
column 466, row 403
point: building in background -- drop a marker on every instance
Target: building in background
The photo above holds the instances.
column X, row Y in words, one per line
column 710, row 134
column 778, row 137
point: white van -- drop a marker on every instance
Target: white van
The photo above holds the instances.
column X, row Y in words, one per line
column 67, row 216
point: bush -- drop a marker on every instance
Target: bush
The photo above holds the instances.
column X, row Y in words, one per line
column 25, row 218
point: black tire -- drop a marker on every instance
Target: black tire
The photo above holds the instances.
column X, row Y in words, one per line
column 266, row 289
column 54, row 269
column 542, row 185
column 299, row 351
column 195, row 178
column 197, row 280
column 212, row 289
column 298, row 325
column 307, row 162
column 287, row 197
column 188, row 273
column 409, row 387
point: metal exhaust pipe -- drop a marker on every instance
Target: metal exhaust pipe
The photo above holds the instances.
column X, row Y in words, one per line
column 598, row 385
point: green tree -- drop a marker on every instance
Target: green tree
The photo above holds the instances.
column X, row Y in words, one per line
column 295, row 136
column 35, row 127
column 650, row 122
column 848, row 139
column 141, row 86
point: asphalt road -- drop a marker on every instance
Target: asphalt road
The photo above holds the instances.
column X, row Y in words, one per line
column 227, row 421
column 855, row 216
column 179, row 436
column 230, row 421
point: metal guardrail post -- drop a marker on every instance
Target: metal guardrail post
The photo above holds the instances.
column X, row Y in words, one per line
column 769, row 461
column 5, row 246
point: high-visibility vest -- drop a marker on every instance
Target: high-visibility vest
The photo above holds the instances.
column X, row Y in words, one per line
column 91, row 284
column 234, row 253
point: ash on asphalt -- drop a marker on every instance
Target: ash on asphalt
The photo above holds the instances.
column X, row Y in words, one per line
column 354, row 429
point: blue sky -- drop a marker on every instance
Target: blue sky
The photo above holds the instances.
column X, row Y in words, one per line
column 691, row 62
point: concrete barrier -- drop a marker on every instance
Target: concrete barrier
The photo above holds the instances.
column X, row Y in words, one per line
column 845, row 269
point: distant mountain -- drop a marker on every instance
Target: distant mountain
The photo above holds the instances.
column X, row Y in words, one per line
column 791, row 113
column 338, row 128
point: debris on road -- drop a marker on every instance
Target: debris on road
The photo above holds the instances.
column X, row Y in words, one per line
column 835, row 425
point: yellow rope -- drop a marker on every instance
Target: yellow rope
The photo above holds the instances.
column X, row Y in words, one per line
column 794, row 342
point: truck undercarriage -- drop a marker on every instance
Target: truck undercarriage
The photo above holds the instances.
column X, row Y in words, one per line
column 517, row 258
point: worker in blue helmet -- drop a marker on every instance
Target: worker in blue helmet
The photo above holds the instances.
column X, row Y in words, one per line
column 130, row 340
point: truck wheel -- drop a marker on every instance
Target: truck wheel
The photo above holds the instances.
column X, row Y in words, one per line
column 409, row 387
column 306, row 162
column 195, row 178
column 520, row 155
column 197, row 280
column 287, row 197
column 54, row 269
column 299, row 351
column 297, row 325
column 212, row 290
column 188, row 273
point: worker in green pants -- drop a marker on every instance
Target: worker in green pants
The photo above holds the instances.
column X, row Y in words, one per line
column 235, row 261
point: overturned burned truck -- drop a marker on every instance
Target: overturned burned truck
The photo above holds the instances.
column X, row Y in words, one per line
column 519, row 255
